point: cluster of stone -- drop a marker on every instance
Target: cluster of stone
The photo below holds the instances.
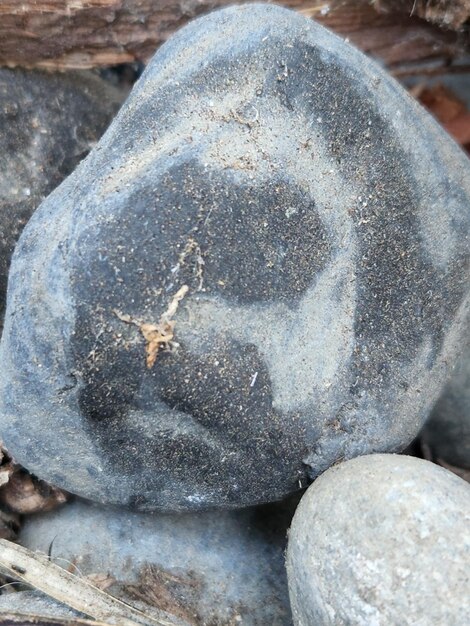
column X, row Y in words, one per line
column 260, row 271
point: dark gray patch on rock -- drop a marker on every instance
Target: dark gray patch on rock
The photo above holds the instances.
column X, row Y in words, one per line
column 48, row 124
column 300, row 221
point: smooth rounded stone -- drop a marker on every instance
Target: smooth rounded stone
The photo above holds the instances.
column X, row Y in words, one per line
column 48, row 123
column 380, row 540
column 447, row 432
column 261, row 269
column 206, row 568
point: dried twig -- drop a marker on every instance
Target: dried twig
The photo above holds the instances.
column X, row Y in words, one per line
column 37, row 570
column 160, row 334
column 447, row 13
column 60, row 34
column 26, row 619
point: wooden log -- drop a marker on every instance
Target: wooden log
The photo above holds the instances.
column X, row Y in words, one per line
column 452, row 14
column 64, row 34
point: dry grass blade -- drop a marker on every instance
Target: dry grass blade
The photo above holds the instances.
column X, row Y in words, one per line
column 77, row 593
column 27, row 619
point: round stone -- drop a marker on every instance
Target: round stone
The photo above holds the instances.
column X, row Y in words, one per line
column 48, row 124
column 447, row 432
column 204, row 568
column 379, row 540
column 261, row 269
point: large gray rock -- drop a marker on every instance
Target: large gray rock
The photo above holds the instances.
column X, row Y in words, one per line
column 206, row 568
column 381, row 540
column 447, row 432
column 48, row 123
column 261, row 269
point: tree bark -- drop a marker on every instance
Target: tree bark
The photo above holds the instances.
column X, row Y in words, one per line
column 64, row 34
column 446, row 13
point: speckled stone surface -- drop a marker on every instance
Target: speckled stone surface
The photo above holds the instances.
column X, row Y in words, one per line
column 209, row 568
column 48, row 124
column 34, row 603
column 447, row 432
column 380, row 540
column 294, row 225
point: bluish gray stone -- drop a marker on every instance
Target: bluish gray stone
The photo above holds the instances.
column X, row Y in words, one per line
column 260, row 270
column 206, row 568
column 447, row 432
column 380, row 540
column 34, row 603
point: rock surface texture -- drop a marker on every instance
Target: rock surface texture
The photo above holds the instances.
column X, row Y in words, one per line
column 203, row 568
column 33, row 603
column 261, row 269
column 48, row 123
column 381, row 539
column 447, row 432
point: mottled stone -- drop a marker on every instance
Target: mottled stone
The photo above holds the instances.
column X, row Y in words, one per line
column 205, row 568
column 260, row 270
column 447, row 432
column 380, row 540
column 48, row 123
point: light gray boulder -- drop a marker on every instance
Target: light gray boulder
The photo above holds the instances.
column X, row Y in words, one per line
column 381, row 540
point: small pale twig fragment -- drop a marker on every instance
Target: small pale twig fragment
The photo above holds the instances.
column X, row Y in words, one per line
column 160, row 334
column 156, row 336
column 173, row 306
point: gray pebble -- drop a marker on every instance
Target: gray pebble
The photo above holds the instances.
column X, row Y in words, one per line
column 381, row 540
column 261, row 269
